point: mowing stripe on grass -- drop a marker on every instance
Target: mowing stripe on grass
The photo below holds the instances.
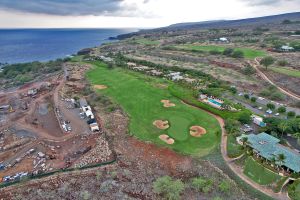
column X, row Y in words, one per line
column 141, row 100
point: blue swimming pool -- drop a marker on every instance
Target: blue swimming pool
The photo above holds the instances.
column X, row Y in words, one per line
column 215, row 102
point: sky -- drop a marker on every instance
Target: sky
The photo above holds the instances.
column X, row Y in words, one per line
column 132, row 13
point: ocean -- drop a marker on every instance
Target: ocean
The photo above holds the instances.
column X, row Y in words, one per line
column 27, row 45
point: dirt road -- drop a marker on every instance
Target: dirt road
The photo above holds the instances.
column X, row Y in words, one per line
column 263, row 76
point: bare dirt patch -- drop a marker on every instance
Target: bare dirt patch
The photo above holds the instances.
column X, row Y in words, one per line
column 197, row 131
column 100, row 87
column 161, row 124
column 167, row 139
column 167, row 103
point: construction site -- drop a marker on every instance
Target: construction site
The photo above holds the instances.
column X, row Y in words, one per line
column 47, row 126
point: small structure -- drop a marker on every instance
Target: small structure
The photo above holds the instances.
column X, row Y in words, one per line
column 175, row 76
column 286, row 48
column 258, row 121
column 223, row 39
column 32, row 91
column 87, row 110
column 94, row 127
column 268, row 147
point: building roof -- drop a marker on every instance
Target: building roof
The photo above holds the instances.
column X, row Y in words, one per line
column 285, row 47
column 90, row 114
column 83, row 102
column 269, row 147
column 223, row 39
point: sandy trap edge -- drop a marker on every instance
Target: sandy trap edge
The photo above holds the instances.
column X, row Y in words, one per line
column 100, row 87
column 167, row 103
column 167, row 139
column 197, row 131
column 161, row 124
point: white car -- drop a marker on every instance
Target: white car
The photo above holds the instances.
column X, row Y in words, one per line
column 277, row 114
column 260, row 108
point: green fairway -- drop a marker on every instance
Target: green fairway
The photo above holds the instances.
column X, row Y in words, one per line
column 140, row 95
column 259, row 173
column 286, row 71
column 248, row 53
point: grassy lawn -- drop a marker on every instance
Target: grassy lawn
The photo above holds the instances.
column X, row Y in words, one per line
column 286, row 71
column 233, row 148
column 259, row 173
column 140, row 95
column 248, row 53
column 294, row 190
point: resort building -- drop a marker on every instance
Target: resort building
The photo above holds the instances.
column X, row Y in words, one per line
column 269, row 148
column 223, row 39
column 286, row 48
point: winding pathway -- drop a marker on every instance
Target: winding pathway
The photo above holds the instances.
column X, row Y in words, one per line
column 236, row 169
column 263, row 76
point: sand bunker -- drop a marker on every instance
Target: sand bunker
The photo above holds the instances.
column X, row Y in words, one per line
column 161, row 124
column 167, row 139
column 197, row 131
column 100, row 87
column 167, row 103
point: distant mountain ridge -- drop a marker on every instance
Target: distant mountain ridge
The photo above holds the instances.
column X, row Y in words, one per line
column 257, row 21
column 231, row 23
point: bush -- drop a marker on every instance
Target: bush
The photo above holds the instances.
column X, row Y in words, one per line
column 253, row 99
column 245, row 118
column 232, row 126
column 233, row 90
column 281, row 109
column 224, row 186
column 228, row 51
column 277, row 96
column 291, row 114
column 168, row 188
column 271, row 106
column 238, row 54
column 202, row 184
column 246, row 96
column 282, row 63
column 248, row 70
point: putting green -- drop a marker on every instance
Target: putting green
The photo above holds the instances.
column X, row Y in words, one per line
column 141, row 100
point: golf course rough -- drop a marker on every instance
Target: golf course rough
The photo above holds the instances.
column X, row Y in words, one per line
column 139, row 97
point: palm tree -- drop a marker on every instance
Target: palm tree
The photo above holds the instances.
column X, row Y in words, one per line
column 281, row 158
column 283, row 127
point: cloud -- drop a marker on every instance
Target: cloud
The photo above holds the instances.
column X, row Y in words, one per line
column 71, row 7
